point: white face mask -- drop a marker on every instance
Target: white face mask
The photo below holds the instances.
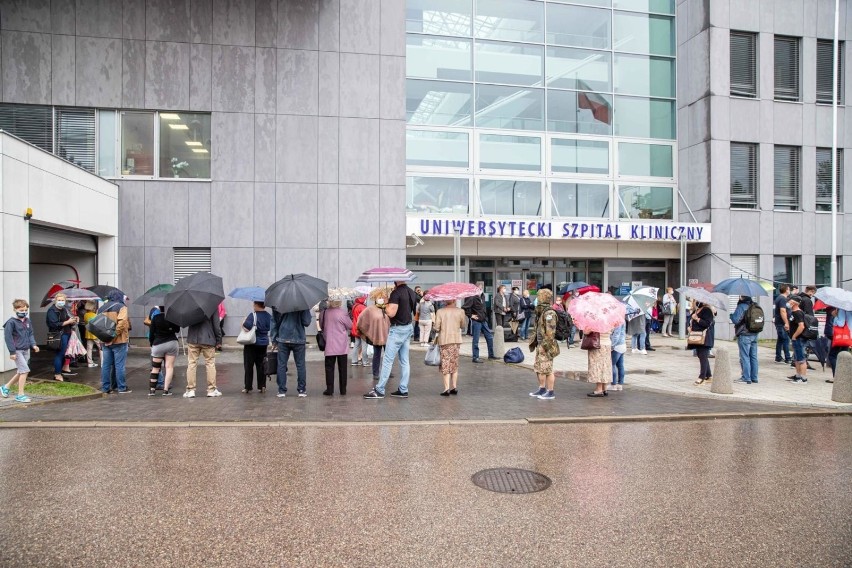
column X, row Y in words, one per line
column 60, row 303
column 380, row 301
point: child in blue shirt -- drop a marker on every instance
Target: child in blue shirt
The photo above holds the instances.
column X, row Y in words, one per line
column 18, row 333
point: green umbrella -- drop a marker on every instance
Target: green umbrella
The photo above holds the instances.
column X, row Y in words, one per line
column 154, row 294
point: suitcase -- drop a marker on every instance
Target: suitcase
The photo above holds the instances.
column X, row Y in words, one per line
column 510, row 336
column 270, row 364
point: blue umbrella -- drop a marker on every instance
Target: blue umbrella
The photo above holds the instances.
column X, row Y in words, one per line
column 740, row 287
column 250, row 293
column 573, row 286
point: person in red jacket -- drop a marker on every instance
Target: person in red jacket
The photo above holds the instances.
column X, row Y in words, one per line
column 359, row 352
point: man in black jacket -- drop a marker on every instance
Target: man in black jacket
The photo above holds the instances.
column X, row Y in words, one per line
column 474, row 308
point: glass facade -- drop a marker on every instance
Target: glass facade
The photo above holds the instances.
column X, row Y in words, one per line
column 541, row 108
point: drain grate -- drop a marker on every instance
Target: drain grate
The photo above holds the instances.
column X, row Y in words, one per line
column 510, row 480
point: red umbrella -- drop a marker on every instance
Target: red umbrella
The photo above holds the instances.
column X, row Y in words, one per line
column 820, row 305
column 58, row 287
column 452, row 291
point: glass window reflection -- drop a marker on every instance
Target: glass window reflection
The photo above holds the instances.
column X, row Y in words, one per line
column 438, row 102
column 137, row 144
column 437, row 195
column 510, row 20
column 510, row 197
column 500, row 152
column 580, row 200
column 641, row 202
column 509, row 63
column 439, row 17
column 185, row 145
column 658, row 6
column 645, row 118
column 653, row 160
column 643, row 33
column 579, row 26
column 580, row 156
column 431, row 57
column 436, row 149
column 580, row 69
column 509, row 107
column 644, row 76
column 579, row 113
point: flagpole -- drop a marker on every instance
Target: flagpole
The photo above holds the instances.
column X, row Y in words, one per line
column 835, row 95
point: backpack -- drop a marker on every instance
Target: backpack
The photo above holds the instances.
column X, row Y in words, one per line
column 563, row 325
column 811, row 327
column 754, row 319
column 102, row 327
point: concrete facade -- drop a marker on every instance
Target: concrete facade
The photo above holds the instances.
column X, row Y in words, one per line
column 308, row 125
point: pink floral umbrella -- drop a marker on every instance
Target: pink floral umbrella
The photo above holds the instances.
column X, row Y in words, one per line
column 452, row 291
column 597, row 312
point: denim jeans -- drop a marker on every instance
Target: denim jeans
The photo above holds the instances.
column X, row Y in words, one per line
column 298, row 351
column 398, row 339
column 525, row 328
column 799, row 355
column 59, row 357
column 572, row 331
column 476, row 328
column 114, row 357
column 748, row 356
column 638, row 341
column 782, row 342
column 617, row 368
column 377, row 359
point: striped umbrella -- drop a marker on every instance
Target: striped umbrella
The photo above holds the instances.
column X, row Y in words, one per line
column 386, row 274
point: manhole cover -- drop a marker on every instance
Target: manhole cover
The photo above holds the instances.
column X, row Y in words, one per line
column 510, row 480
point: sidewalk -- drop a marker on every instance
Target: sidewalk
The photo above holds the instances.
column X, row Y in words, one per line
column 673, row 369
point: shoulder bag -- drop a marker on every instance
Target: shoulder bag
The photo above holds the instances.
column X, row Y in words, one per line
column 591, row 341
column 248, row 337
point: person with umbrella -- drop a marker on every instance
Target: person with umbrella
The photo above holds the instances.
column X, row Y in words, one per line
column 401, row 306
column 702, row 319
column 164, row 348
column 374, row 327
column 288, row 336
column 60, row 321
column 449, row 321
column 544, row 345
column 746, row 339
column 202, row 339
column 255, row 354
column 114, row 354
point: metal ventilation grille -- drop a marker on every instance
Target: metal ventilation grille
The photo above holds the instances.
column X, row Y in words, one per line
column 75, row 136
column 31, row 123
column 191, row 260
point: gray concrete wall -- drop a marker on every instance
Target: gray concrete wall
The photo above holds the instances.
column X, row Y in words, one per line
column 308, row 124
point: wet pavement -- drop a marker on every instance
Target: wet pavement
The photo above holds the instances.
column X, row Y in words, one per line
column 767, row 492
column 491, row 391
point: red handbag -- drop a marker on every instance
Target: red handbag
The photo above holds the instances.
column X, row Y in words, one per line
column 841, row 337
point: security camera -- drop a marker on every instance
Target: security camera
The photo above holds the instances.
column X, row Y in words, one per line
column 417, row 240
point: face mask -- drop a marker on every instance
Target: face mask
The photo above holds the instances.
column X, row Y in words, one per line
column 380, row 301
column 60, row 304
column 21, row 315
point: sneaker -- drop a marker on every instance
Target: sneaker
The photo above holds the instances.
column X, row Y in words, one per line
column 374, row 394
column 643, row 352
column 152, row 392
column 167, row 393
column 547, row 395
column 791, row 377
column 281, row 395
column 538, row 392
column 23, row 398
column 800, row 380
column 477, row 360
column 367, row 363
column 399, row 394
column 355, row 363
column 125, row 391
column 4, row 392
column 189, row 394
column 302, row 394
column 634, row 351
column 493, row 358
column 214, row 393
column 754, row 381
column 743, row 381
column 91, row 365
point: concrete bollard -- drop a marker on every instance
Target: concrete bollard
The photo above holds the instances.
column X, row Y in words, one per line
column 842, row 389
column 722, row 382
column 499, row 342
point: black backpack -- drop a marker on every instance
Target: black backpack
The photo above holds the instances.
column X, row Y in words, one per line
column 563, row 325
column 754, row 319
column 101, row 326
column 811, row 327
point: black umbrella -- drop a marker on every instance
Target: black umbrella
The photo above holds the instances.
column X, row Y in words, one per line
column 820, row 347
column 573, row 286
column 296, row 292
column 102, row 290
column 194, row 299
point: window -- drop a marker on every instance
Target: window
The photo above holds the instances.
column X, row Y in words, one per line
column 579, row 69
column 498, row 152
column 440, row 17
column 580, row 200
column 438, row 102
column 579, row 156
column 787, row 177
column 437, row 149
column 509, row 107
column 579, row 113
column 644, row 33
column 191, row 260
column 31, row 123
column 437, row 195
column 787, row 68
column 509, row 197
column 823, row 178
column 645, row 76
column 785, row 270
column 744, row 172
column 822, row 270
column 137, row 143
column 640, row 202
column 743, row 64
column 825, row 71
column 185, row 145
column 509, row 63
column 75, row 136
column 644, row 118
column 509, row 20
column 107, row 143
column 431, row 57
column 579, row 26
column 661, row 6
column 646, row 160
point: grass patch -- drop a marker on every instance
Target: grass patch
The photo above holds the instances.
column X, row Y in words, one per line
column 57, row 389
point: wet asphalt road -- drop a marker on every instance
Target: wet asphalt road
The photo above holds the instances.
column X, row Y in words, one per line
column 764, row 492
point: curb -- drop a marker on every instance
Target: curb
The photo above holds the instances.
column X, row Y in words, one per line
column 77, row 398
column 689, row 417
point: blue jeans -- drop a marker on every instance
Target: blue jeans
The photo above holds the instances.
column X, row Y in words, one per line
column 638, row 341
column 114, row 357
column 398, row 339
column 377, row 359
column 476, row 328
column 617, row 368
column 298, row 351
column 782, row 343
column 59, row 358
column 572, row 331
column 748, row 356
column 525, row 328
